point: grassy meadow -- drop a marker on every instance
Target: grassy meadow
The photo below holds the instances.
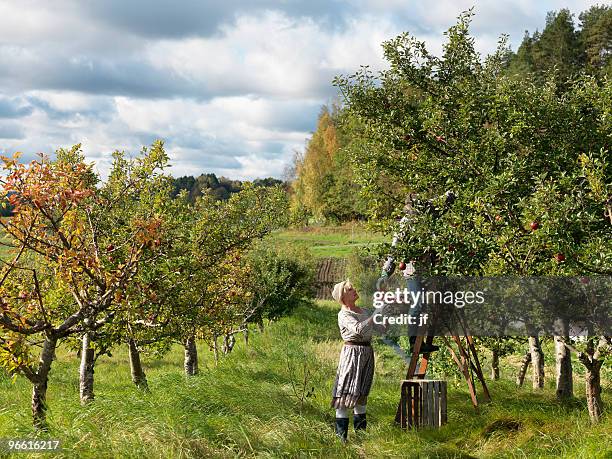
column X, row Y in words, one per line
column 271, row 399
column 330, row 241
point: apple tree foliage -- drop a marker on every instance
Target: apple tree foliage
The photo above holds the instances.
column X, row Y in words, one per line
column 63, row 280
column 136, row 190
column 199, row 288
column 280, row 280
column 506, row 176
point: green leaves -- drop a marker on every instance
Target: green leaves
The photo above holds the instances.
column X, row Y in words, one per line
column 511, row 150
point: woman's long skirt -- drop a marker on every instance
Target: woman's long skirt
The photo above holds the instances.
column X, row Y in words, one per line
column 354, row 376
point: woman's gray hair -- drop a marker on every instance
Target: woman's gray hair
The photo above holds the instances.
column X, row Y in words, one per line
column 340, row 289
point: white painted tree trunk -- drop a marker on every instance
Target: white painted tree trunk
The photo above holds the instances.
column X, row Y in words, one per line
column 520, row 379
column 593, row 392
column 537, row 362
column 39, row 390
column 191, row 357
column 138, row 375
column 228, row 343
column 593, row 359
column 215, row 349
column 494, row 364
column 563, row 358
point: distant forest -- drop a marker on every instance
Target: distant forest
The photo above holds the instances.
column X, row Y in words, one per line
column 220, row 188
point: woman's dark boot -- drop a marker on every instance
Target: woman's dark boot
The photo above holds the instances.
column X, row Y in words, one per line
column 359, row 422
column 342, row 428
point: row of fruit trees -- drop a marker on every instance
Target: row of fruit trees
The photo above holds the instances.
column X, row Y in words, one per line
column 94, row 264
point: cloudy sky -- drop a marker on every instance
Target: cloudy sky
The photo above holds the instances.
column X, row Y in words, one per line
column 232, row 86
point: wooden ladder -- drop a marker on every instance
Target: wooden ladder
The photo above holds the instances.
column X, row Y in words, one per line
column 466, row 360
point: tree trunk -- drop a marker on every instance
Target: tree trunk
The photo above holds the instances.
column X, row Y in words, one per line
column 191, row 356
column 593, row 392
column 138, row 375
column 86, row 371
column 39, row 390
column 563, row 357
column 215, row 350
column 520, row 379
column 494, row 365
column 228, row 343
column 246, row 336
column 537, row 361
column 593, row 360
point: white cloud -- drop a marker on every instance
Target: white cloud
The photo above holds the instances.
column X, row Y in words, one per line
column 234, row 93
column 230, row 127
column 254, row 166
column 269, row 53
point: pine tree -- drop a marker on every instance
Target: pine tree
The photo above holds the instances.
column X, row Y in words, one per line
column 596, row 39
column 558, row 47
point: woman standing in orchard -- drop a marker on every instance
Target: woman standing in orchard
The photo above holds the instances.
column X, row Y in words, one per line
column 356, row 366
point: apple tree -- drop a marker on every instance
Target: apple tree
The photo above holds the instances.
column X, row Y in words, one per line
column 199, row 287
column 223, row 232
column 136, row 191
column 63, row 281
column 527, row 165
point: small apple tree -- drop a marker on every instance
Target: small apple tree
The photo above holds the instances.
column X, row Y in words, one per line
column 63, row 281
column 199, row 288
column 280, row 280
column 222, row 234
column 136, row 191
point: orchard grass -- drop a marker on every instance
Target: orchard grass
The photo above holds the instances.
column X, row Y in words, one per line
column 255, row 403
column 330, row 241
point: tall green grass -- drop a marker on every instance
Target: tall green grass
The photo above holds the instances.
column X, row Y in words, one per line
column 255, row 403
column 330, row 241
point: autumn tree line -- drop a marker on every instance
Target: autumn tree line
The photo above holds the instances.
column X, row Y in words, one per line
column 94, row 264
column 502, row 164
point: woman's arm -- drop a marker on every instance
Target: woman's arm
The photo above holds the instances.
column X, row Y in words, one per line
column 356, row 327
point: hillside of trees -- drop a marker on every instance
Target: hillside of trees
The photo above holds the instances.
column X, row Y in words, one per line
column 219, row 189
column 563, row 48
